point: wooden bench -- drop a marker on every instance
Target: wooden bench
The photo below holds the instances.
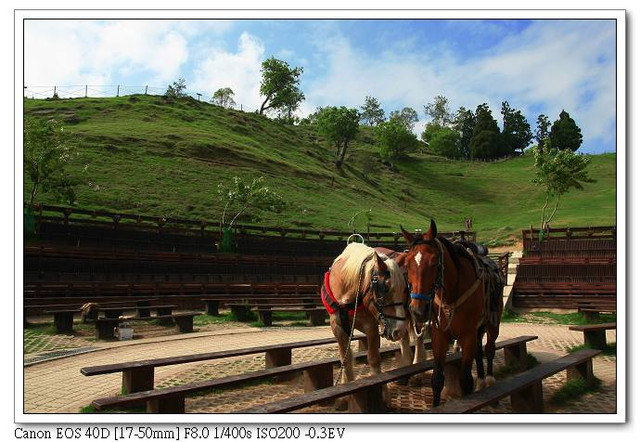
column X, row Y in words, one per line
column 183, row 321
column 595, row 334
column 592, row 309
column 316, row 375
column 316, row 314
column 525, row 388
column 213, row 303
column 63, row 319
column 139, row 375
column 366, row 393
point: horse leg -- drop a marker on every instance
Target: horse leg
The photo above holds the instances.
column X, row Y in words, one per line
column 419, row 355
column 469, row 347
column 490, row 351
column 346, row 356
column 369, row 326
column 480, row 381
column 439, row 346
column 405, row 357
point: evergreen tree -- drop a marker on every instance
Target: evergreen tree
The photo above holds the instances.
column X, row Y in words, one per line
column 486, row 142
column 565, row 133
column 464, row 122
column 516, row 131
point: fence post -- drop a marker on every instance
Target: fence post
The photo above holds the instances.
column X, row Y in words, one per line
column 118, row 91
column 55, row 92
column 86, row 88
column 146, row 88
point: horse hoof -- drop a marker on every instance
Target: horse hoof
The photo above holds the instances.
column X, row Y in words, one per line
column 490, row 380
column 480, row 384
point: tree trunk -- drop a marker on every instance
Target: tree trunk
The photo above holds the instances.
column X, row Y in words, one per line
column 264, row 106
column 341, row 153
column 544, row 210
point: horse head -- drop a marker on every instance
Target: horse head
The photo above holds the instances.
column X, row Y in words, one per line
column 388, row 297
column 424, row 264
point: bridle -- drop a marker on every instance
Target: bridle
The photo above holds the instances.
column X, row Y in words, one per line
column 435, row 294
column 438, row 285
column 379, row 290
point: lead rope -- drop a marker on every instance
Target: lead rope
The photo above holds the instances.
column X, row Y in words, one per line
column 353, row 323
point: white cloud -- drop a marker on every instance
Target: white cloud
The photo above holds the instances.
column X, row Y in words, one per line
column 85, row 52
column 239, row 70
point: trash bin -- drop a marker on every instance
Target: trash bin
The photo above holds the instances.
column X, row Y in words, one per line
column 29, row 223
column 226, row 244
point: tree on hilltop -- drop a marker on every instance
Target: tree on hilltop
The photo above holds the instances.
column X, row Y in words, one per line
column 542, row 129
column 486, row 142
column 371, row 112
column 223, row 97
column 464, row 122
column 177, row 89
column 565, row 133
column 439, row 111
column 516, row 131
column 280, row 86
column 407, row 117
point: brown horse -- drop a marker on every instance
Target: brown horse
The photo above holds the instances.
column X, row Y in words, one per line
column 456, row 295
column 365, row 291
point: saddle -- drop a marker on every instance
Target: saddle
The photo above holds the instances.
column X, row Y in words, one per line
column 490, row 275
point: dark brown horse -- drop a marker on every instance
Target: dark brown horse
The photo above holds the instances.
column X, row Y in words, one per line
column 456, row 295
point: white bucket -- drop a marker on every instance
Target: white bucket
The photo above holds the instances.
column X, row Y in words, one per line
column 124, row 333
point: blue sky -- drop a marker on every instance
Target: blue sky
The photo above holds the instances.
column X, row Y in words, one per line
column 538, row 66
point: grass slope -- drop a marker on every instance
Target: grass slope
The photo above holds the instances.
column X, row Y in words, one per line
column 143, row 154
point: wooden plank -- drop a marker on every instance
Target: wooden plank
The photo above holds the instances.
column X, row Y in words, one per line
column 360, row 385
column 514, row 384
column 317, row 377
column 161, row 362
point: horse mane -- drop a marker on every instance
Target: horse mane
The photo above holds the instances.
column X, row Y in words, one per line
column 454, row 251
column 352, row 258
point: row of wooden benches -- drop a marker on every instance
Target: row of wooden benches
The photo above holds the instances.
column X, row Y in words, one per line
column 241, row 307
column 112, row 288
column 162, row 278
column 364, row 394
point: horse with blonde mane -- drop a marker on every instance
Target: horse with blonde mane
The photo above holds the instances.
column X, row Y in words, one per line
column 366, row 290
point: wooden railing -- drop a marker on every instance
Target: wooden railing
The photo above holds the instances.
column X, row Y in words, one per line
column 210, row 229
column 532, row 241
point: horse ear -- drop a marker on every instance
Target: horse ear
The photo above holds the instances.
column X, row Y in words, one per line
column 432, row 232
column 407, row 236
column 380, row 265
column 400, row 259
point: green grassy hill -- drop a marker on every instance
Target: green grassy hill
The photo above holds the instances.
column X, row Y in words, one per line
column 142, row 154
